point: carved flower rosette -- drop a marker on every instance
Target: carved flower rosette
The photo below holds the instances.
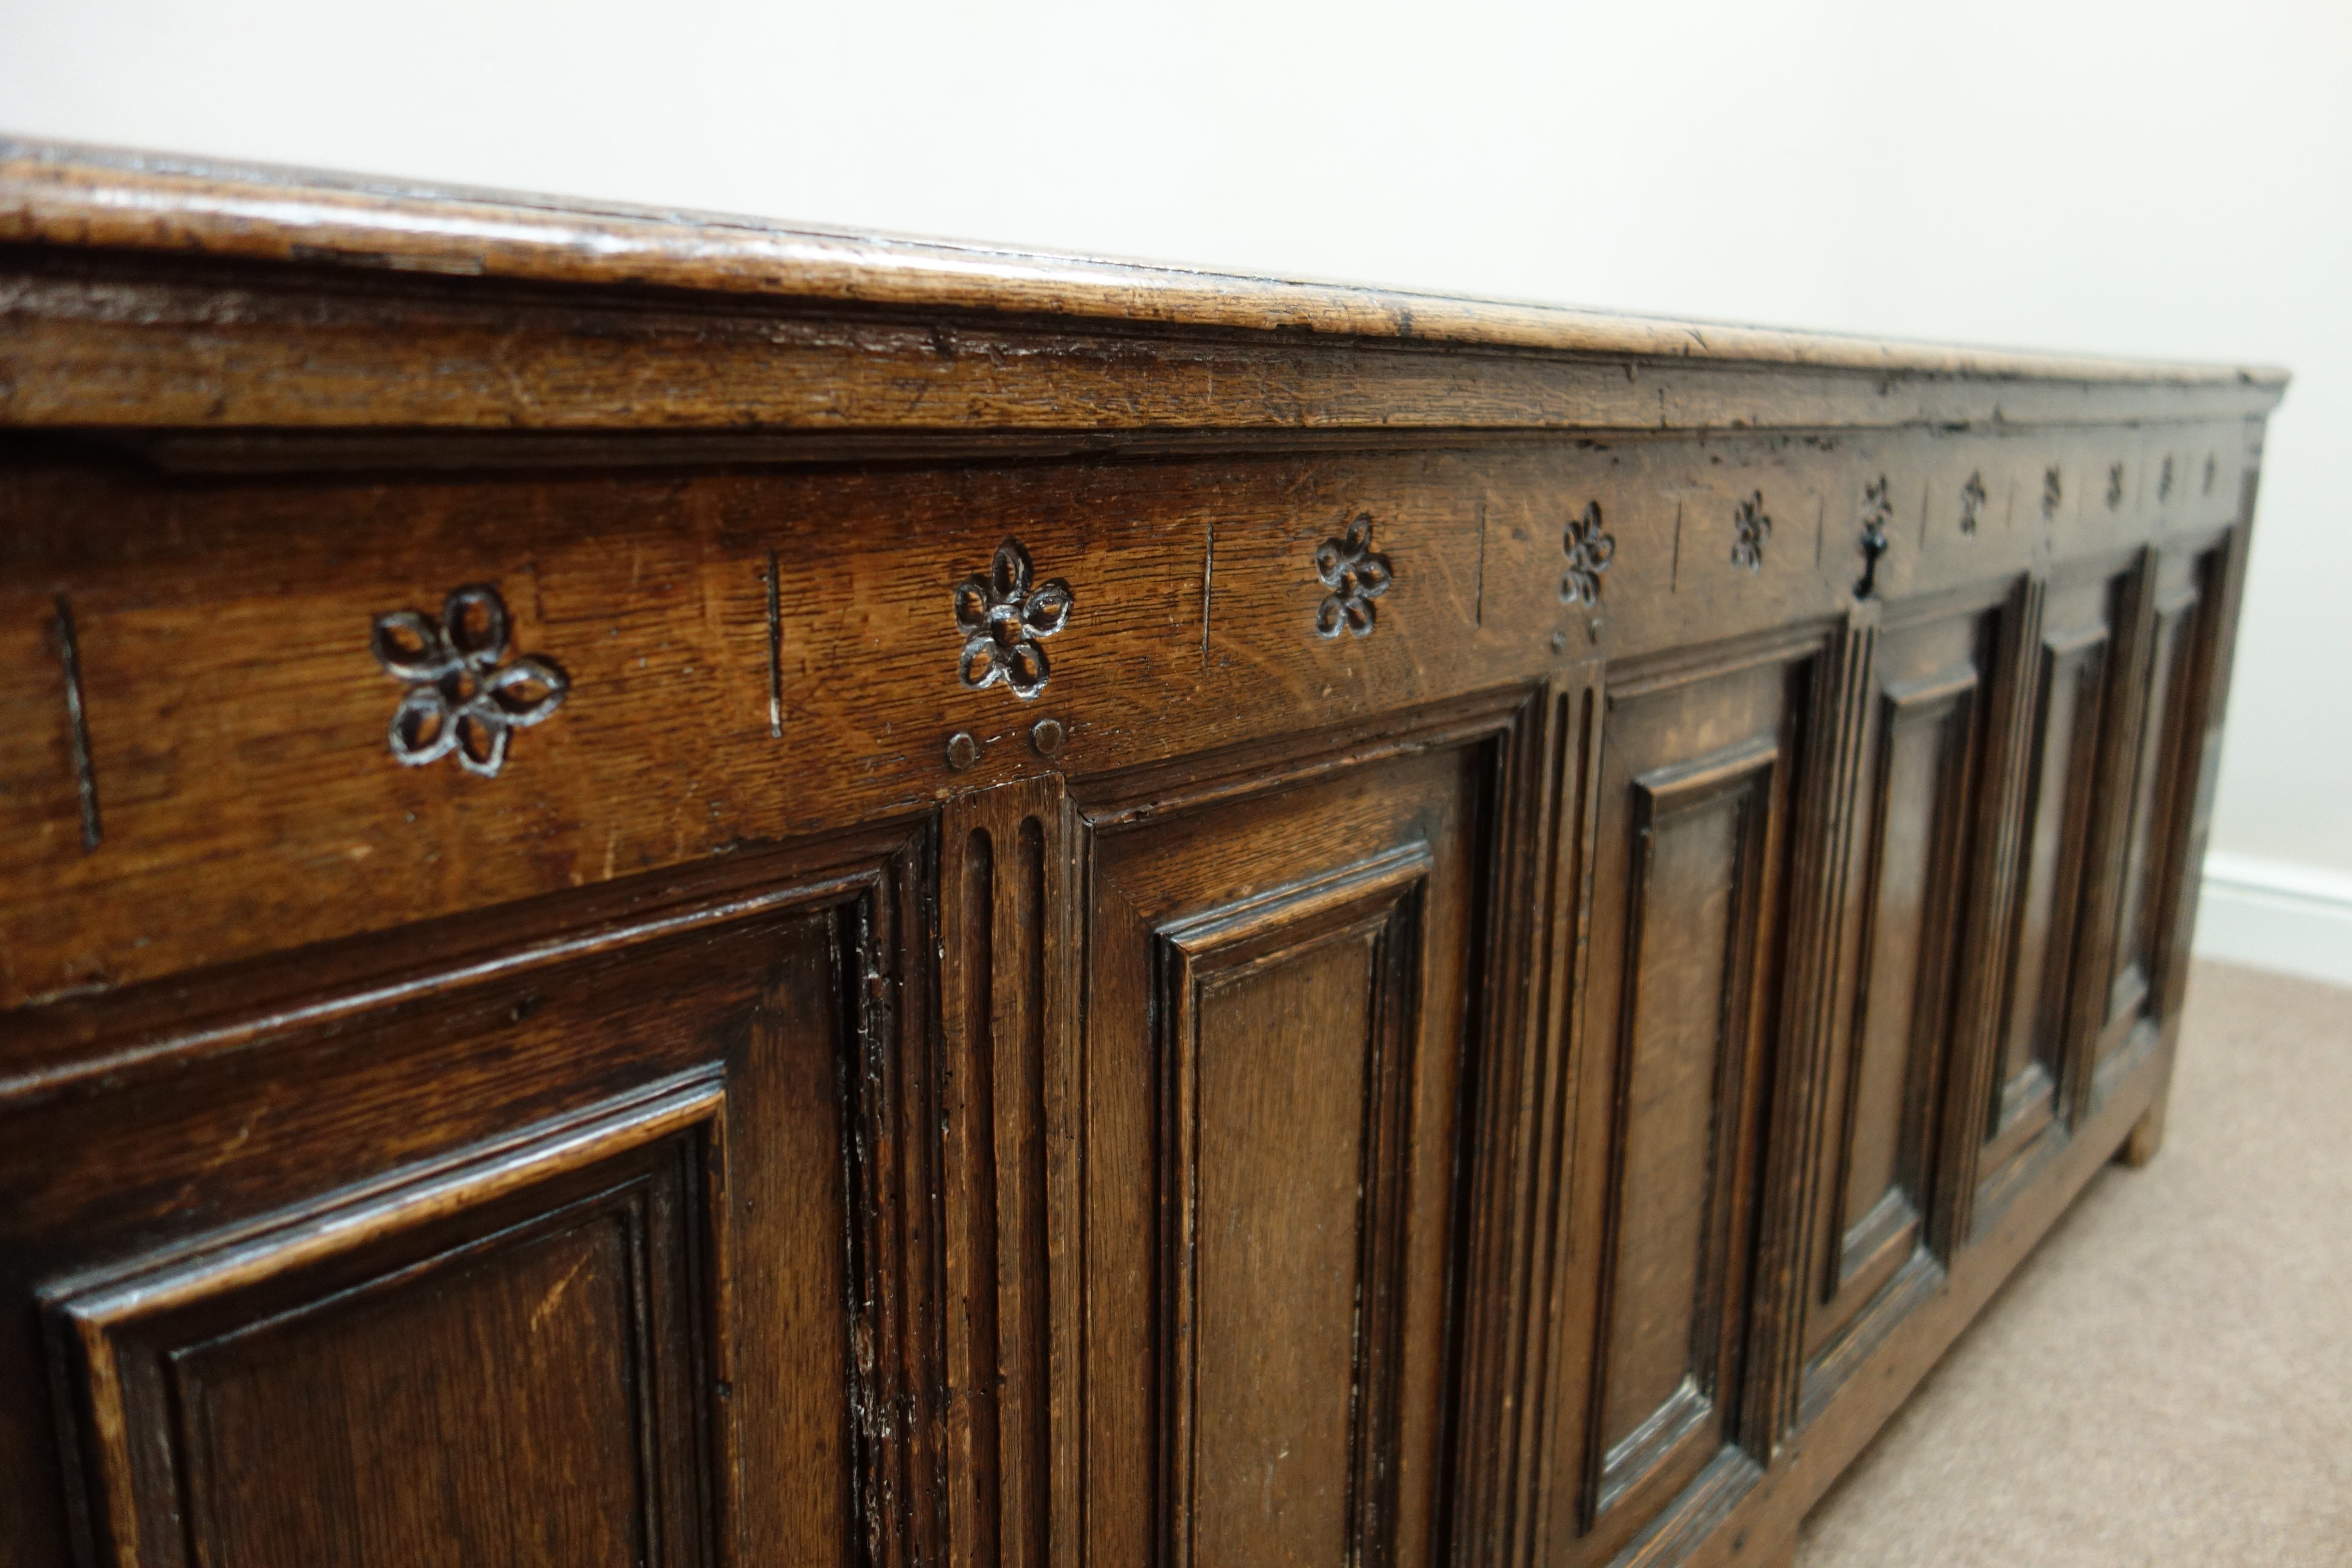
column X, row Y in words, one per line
column 464, row 698
column 1356, row 575
column 1589, row 551
column 1749, row 529
column 1004, row 618
column 1973, row 496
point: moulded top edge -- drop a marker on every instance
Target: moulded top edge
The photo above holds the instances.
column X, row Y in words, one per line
column 58, row 194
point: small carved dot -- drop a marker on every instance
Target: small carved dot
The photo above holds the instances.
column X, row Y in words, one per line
column 2053, row 492
column 2114, row 486
column 1047, row 736
column 962, row 751
column 1559, row 642
column 2164, row 480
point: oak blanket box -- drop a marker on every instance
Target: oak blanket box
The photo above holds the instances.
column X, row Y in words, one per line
column 676, row 892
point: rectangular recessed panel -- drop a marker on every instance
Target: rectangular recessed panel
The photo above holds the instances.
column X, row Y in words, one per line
column 1695, row 907
column 1282, row 1082
column 2167, row 717
column 2031, row 1014
column 2073, row 665
column 1915, row 753
column 487, row 1406
column 1673, row 1037
column 1673, row 1066
column 1915, row 797
column 405, row 1208
column 2156, row 728
column 1919, row 812
column 505, row 1363
column 1279, row 1023
column 1292, row 1017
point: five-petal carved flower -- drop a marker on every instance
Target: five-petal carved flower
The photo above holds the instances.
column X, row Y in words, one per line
column 1973, row 497
column 1750, row 528
column 1589, row 551
column 1002, row 617
column 462, row 696
column 1356, row 576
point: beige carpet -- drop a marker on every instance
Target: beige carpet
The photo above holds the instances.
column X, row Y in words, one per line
column 2168, row 1379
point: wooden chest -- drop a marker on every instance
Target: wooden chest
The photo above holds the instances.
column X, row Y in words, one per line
column 679, row 892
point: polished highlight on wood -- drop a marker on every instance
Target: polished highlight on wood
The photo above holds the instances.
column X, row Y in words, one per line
column 1485, row 931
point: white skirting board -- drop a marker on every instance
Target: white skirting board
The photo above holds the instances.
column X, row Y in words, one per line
column 2268, row 914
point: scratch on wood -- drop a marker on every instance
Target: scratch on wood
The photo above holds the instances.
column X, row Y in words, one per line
column 78, row 719
column 1478, row 603
column 1675, row 573
column 1207, row 575
column 547, row 1302
column 775, row 657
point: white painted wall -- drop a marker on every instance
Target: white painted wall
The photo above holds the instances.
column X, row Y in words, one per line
column 2161, row 178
